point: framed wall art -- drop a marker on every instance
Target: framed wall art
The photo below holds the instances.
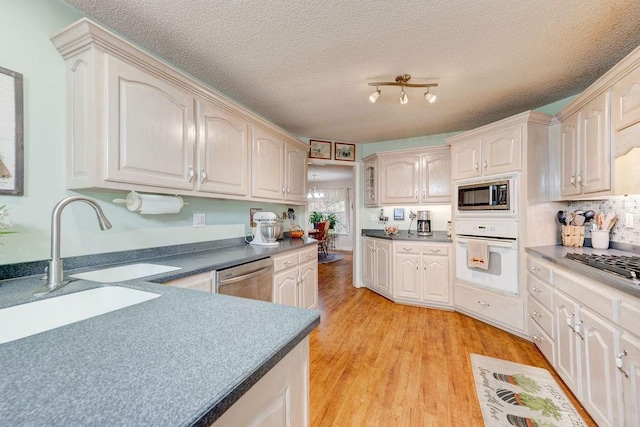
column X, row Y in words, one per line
column 11, row 133
column 320, row 149
column 345, row 152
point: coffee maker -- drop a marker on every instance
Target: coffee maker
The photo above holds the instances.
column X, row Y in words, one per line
column 265, row 229
column 424, row 223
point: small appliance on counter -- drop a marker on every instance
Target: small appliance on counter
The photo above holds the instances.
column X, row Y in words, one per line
column 265, row 229
column 424, row 223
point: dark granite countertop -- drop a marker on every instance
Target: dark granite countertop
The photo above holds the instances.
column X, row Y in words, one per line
column 180, row 359
column 555, row 255
column 438, row 236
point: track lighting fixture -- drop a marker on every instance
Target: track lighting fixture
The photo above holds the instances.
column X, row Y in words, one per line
column 403, row 81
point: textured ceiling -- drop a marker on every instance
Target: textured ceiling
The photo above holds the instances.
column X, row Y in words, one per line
column 305, row 64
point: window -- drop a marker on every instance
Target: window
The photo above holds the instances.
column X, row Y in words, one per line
column 336, row 201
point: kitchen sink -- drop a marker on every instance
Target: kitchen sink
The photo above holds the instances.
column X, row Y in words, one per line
column 40, row 316
column 125, row 272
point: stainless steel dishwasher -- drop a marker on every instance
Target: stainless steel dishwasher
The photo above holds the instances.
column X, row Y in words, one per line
column 251, row 280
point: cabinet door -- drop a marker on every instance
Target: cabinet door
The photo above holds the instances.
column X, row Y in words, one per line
column 595, row 156
column 626, row 101
column 435, row 278
column 150, row 129
column 407, row 276
column 285, row 287
column 198, row 282
column 267, row 160
column 400, row 179
column 223, row 152
column 383, row 266
column 465, row 159
column 565, row 311
column 435, row 178
column 631, row 381
column 308, row 287
column 371, row 183
column 296, row 173
column 600, row 384
column 368, row 261
column 569, row 156
column 502, row 151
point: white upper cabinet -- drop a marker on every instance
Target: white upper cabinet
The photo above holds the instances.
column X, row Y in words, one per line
column 150, row 129
column 223, row 151
column 496, row 152
column 585, row 149
column 625, row 107
column 416, row 176
column 279, row 168
column 135, row 123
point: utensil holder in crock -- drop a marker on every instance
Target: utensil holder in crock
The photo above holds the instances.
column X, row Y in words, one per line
column 573, row 235
column 600, row 239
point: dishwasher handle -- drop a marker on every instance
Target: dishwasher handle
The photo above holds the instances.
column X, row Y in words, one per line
column 244, row 276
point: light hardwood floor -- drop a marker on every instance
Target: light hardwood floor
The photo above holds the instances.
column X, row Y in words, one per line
column 377, row 363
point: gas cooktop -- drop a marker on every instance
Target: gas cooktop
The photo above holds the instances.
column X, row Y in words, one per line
column 626, row 266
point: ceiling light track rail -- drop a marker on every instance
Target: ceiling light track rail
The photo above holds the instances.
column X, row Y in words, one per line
column 403, row 81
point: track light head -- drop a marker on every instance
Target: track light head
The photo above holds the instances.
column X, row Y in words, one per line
column 374, row 96
column 403, row 97
column 431, row 98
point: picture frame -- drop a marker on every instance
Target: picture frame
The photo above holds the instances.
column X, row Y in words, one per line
column 11, row 133
column 345, row 152
column 398, row 214
column 320, row 149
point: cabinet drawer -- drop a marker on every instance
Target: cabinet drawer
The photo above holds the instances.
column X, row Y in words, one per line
column 630, row 318
column 539, row 270
column 540, row 291
column 542, row 341
column 604, row 305
column 198, row 282
column 435, row 250
column 502, row 309
column 541, row 315
column 308, row 254
column 407, row 248
column 284, row 261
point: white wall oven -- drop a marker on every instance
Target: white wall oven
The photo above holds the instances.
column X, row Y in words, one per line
column 500, row 236
column 488, row 197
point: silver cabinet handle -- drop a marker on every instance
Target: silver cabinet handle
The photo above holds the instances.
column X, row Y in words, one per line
column 534, row 289
column 424, row 194
column 288, row 190
column 483, row 304
column 203, row 176
column 477, row 167
column 537, row 338
column 619, row 363
column 485, row 165
column 282, row 189
column 579, row 177
column 577, row 329
column 435, row 251
column 310, row 255
column 192, row 174
column 573, row 180
column 538, row 315
column 407, row 249
column 287, row 262
column 535, row 269
column 416, row 194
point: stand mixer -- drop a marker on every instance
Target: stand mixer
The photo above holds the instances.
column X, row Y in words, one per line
column 265, row 229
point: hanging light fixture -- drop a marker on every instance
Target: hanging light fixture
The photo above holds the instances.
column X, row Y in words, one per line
column 403, row 81
column 313, row 193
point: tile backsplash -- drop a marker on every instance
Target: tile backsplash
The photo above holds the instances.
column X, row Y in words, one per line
column 621, row 205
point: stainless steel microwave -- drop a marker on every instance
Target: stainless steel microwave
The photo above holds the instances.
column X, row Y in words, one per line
column 484, row 196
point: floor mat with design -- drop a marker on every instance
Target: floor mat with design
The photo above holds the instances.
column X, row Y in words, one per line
column 512, row 394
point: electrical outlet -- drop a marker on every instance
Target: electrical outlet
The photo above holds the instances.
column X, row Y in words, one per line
column 628, row 220
column 199, row 219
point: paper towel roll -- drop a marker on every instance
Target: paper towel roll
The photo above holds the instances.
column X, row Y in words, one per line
column 153, row 204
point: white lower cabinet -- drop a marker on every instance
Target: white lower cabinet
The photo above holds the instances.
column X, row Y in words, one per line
column 279, row 399
column 628, row 361
column 376, row 265
column 295, row 279
column 199, row 282
column 421, row 273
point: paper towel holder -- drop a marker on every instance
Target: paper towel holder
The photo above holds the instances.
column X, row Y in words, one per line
column 133, row 201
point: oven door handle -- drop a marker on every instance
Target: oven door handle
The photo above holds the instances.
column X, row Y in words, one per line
column 511, row 244
column 244, row 276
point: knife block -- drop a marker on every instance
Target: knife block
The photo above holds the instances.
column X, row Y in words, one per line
column 573, row 235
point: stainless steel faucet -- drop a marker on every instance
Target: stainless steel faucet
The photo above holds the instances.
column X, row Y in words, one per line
column 55, row 271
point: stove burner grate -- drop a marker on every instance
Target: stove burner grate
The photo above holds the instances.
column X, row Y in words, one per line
column 626, row 266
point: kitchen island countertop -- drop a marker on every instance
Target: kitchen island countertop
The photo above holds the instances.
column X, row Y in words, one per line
column 180, row 359
column 438, row 236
